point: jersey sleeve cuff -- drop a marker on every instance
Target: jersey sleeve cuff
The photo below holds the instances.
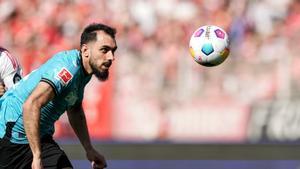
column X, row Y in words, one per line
column 51, row 84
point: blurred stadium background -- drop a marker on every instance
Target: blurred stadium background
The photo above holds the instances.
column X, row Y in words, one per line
column 160, row 109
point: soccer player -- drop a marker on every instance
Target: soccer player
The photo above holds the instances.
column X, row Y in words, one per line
column 10, row 70
column 29, row 110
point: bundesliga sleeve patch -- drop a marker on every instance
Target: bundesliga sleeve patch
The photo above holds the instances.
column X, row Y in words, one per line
column 65, row 76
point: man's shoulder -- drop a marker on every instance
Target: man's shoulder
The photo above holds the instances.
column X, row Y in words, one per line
column 5, row 53
column 8, row 61
column 68, row 54
column 68, row 57
column 64, row 61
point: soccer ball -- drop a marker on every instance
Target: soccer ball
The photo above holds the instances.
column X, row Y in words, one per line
column 209, row 45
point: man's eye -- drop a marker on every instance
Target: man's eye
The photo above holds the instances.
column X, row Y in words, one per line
column 104, row 50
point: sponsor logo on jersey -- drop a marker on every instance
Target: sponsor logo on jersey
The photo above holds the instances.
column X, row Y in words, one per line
column 65, row 76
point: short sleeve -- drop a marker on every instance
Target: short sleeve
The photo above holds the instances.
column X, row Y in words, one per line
column 58, row 74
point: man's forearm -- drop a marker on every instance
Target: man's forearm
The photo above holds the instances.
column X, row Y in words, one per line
column 78, row 122
column 31, row 116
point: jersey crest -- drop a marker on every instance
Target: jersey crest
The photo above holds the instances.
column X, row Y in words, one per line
column 65, row 76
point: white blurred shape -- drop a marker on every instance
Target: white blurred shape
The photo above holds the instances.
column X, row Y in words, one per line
column 144, row 14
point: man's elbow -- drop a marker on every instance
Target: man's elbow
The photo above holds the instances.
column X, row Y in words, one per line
column 29, row 105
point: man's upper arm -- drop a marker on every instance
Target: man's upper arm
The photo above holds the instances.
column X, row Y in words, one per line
column 58, row 75
column 42, row 94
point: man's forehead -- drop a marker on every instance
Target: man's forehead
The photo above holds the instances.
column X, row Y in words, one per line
column 105, row 39
column 102, row 34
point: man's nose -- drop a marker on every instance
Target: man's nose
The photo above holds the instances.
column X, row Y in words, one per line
column 110, row 56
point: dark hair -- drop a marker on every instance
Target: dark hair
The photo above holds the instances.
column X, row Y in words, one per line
column 89, row 32
column 2, row 49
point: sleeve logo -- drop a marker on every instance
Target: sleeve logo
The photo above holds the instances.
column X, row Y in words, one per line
column 65, row 76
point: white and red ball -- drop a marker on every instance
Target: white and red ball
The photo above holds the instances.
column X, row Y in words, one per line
column 209, row 45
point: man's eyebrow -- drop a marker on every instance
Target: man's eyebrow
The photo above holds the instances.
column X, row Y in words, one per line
column 109, row 47
column 115, row 48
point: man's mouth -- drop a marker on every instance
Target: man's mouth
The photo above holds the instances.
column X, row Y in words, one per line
column 107, row 64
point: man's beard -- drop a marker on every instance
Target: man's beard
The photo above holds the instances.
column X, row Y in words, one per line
column 101, row 75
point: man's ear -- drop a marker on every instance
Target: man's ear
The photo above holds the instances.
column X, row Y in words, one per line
column 84, row 50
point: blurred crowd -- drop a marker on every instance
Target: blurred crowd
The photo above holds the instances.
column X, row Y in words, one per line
column 154, row 73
